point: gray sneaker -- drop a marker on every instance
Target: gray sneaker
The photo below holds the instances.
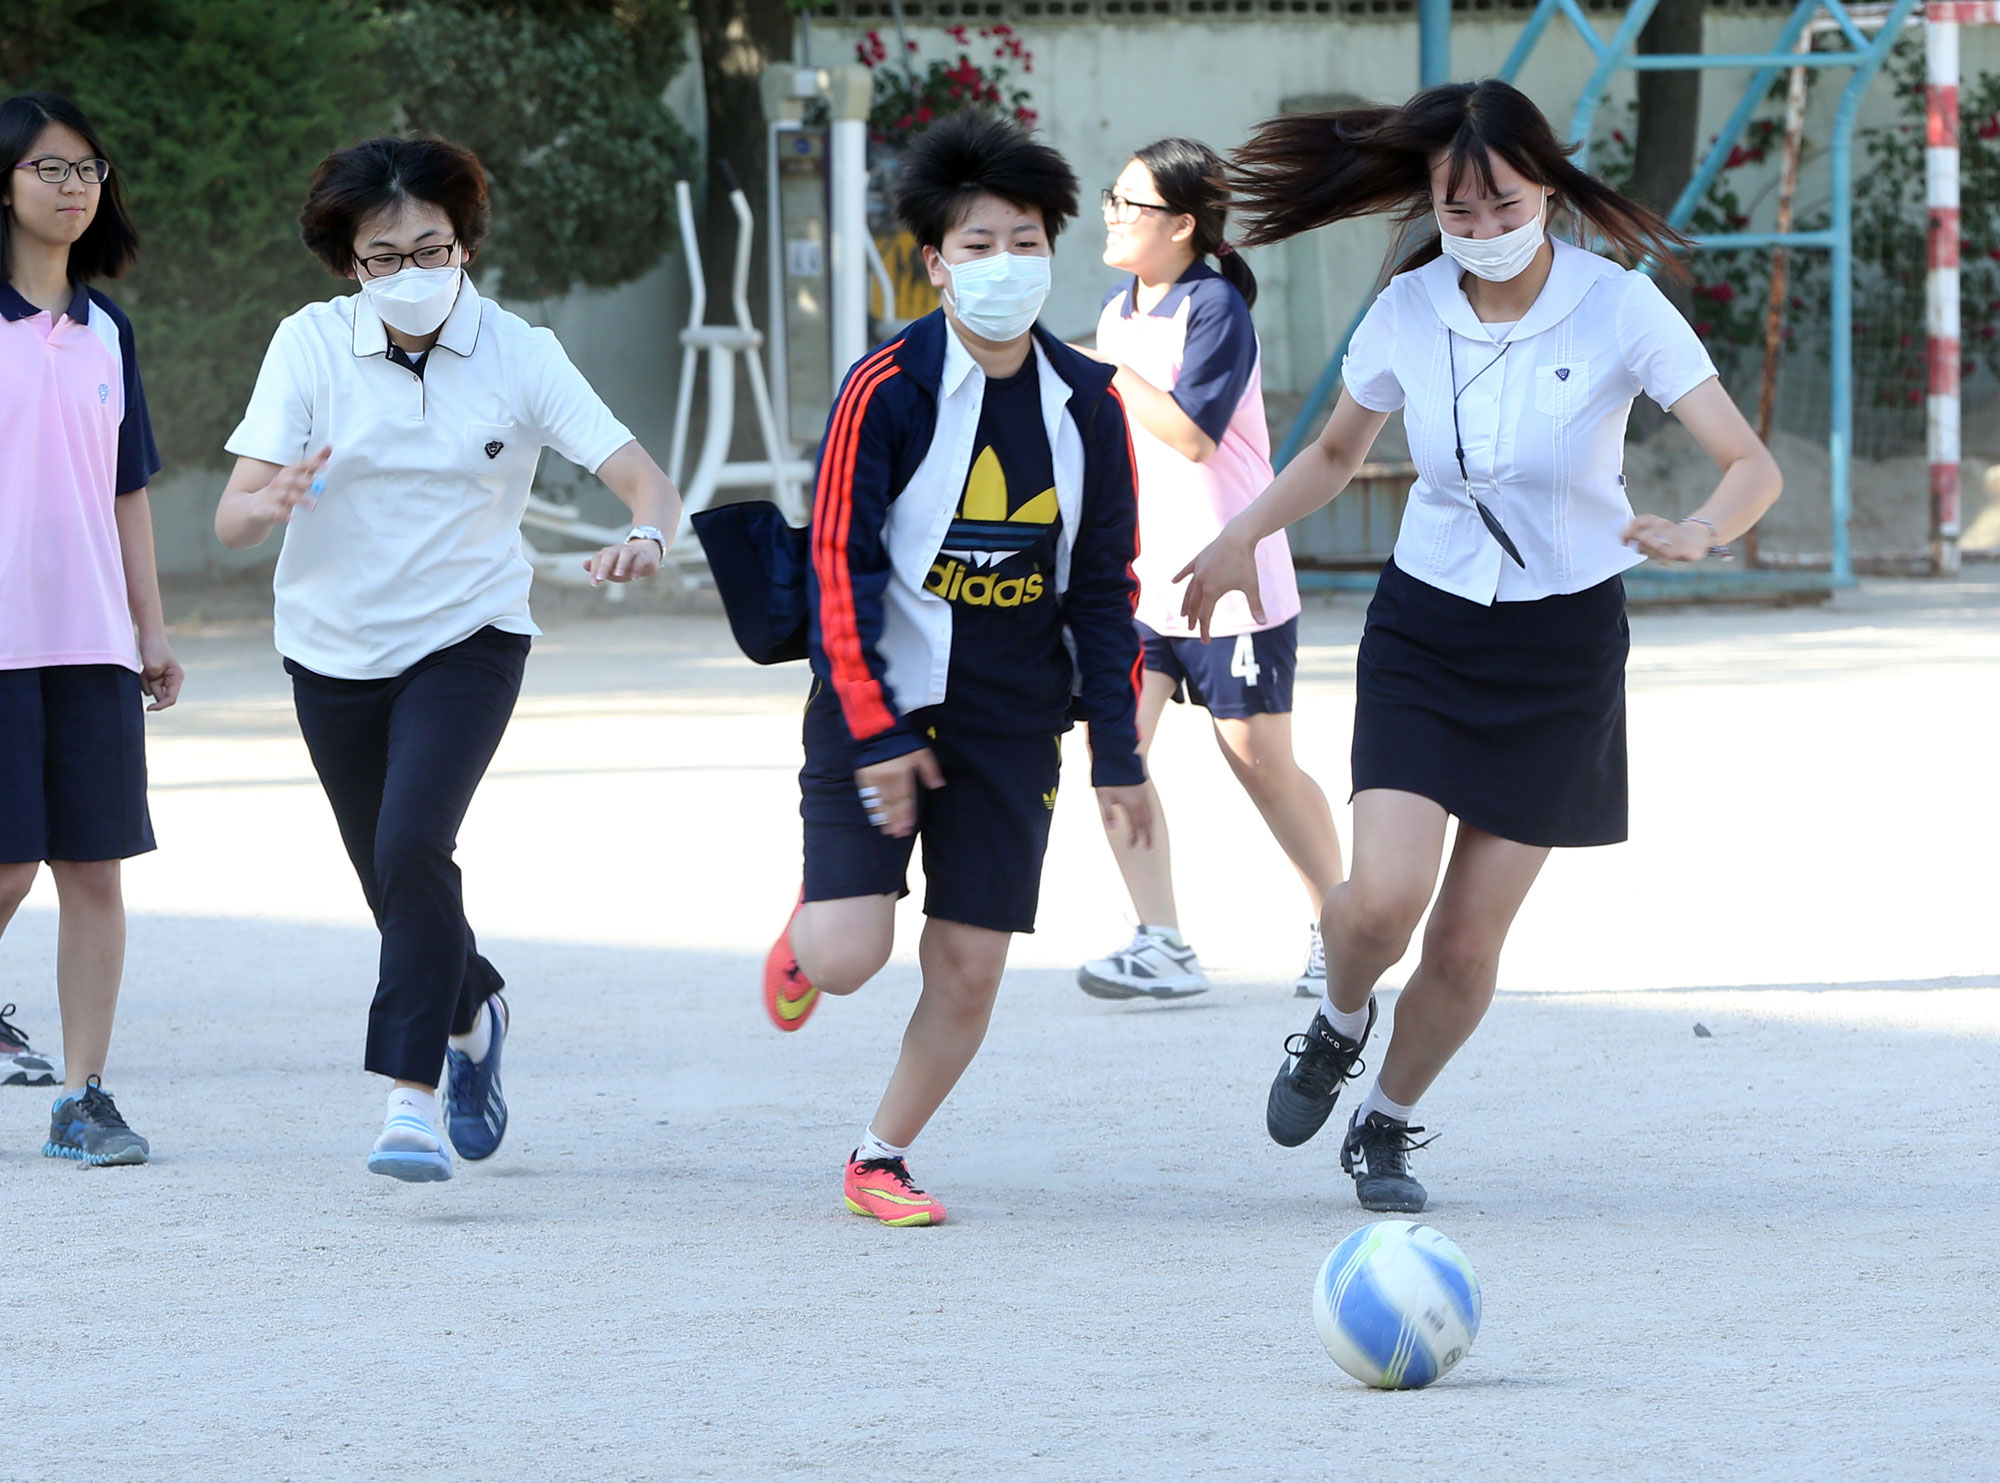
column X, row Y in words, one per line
column 1377, row 1153
column 21, row 1065
column 86, row 1126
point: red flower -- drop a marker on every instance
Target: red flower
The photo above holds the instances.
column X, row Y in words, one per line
column 956, row 33
column 1701, row 328
column 1027, row 116
column 1738, row 155
column 924, row 115
column 999, row 29
column 1990, row 129
column 1913, row 396
column 1619, row 135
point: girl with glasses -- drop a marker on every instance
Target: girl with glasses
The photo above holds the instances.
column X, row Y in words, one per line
column 393, row 437
column 1179, row 332
column 1490, row 684
column 82, row 636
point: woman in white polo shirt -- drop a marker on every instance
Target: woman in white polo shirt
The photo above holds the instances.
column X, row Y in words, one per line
column 394, row 434
column 1490, row 683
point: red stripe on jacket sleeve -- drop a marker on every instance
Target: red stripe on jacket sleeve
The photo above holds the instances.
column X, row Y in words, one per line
column 862, row 702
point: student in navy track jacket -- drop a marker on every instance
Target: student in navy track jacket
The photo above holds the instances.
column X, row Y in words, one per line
column 970, row 596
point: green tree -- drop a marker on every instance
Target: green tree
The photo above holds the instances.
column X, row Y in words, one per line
column 215, row 112
column 562, row 101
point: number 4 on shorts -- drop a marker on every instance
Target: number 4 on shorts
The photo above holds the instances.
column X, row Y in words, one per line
column 1243, row 663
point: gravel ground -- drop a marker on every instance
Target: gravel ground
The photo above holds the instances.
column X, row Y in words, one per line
column 1769, row 1251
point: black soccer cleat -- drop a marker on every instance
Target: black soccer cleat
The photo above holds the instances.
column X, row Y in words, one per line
column 1377, row 1153
column 1308, row 1084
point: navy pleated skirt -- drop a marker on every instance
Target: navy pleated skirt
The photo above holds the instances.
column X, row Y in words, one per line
column 1511, row 717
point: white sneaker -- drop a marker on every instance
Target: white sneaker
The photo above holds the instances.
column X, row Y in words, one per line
column 1311, row 984
column 1148, row 965
column 409, row 1148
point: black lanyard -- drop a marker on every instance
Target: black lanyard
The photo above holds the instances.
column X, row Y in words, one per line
column 1491, row 521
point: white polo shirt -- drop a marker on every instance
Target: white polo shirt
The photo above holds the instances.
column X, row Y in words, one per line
column 1542, row 409
column 416, row 543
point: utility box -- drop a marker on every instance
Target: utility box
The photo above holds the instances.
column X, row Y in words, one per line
column 802, row 298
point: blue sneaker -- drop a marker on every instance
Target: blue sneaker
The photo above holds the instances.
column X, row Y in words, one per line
column 475, row 1113
column 409, row 1150
column 86, row 1126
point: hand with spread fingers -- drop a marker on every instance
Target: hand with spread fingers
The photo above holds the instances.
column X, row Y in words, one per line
column 889, row 789
column 1226, row 564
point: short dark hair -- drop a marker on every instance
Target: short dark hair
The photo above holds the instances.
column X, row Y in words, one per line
column 110, row 242
column 377, row 175
column 970, row 154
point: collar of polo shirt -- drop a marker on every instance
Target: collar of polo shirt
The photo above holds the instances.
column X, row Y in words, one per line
column 459, row 333
column 1570, row 276
column 14, row 307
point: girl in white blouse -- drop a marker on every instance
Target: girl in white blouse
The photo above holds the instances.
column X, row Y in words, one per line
column 1490, row 679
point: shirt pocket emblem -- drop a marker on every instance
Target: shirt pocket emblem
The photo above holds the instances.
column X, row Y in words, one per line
column 103, row 393
column 1561, row 391
column 495, row 448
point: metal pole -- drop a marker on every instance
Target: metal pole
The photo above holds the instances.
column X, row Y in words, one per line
column 1609, row 60
column 1941, row 283
column 1433, row 42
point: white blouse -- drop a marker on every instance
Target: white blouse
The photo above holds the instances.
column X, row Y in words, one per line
column 416, row 543
column 1542, row 409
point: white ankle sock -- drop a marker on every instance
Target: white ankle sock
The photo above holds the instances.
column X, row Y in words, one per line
column 415, row 1101
column 872, row 1147
column 1376, row 1102
column 479, row 1039
column 1171, row 936
column 1344, row 1022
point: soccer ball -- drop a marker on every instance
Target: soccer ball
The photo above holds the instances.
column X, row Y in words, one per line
column 1397, row 1305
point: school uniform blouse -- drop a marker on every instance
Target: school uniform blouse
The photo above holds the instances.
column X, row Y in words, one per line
column 416, row 543
column 1542, row 409
column 1199, row 345
column 74, row 436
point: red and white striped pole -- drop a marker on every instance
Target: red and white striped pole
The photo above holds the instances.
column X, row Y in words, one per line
column 1941, row 317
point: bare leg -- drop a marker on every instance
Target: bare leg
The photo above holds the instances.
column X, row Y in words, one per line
column 15, row 883
column 1368, row 922
column 90, row 961
column 962, row 968
column 1148, row 869
column 842, row 944
column 1259, row 750
column 1448, row 995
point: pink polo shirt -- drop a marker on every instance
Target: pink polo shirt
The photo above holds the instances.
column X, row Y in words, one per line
column 1198, row 344
column 73, row 436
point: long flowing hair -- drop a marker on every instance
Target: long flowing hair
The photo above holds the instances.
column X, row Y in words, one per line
column 1308, row 170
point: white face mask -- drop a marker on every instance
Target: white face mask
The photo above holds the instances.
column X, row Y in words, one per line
column 998, row 297
column 1497, row 259
column 416, row 300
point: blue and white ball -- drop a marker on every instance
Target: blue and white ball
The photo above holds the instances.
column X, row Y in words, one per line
column 1397, row 1305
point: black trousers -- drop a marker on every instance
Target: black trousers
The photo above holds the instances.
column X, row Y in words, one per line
column 400, row 760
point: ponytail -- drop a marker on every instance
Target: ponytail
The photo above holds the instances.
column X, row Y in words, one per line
column 1309, row 170
column 1192, row 181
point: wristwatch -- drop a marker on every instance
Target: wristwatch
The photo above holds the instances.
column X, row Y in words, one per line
column 648, row 533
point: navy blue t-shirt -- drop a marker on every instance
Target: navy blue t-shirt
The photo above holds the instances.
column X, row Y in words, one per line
column 1010, row 670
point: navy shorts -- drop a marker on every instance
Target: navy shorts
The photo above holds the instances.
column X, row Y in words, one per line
column 984, row 833
column 1248, row 674
column 72, row 764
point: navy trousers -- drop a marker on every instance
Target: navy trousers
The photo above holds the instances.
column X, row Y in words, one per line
column 400, row 760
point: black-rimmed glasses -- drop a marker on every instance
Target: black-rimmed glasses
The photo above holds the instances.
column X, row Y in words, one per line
column 54, row 170
column 383, row 264
column 1123, row 210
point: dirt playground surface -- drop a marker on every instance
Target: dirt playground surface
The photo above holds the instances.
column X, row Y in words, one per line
column 1767, row 1253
